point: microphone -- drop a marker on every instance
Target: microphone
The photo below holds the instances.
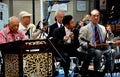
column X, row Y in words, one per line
column 37, row 26
column 112, row 7
column 50, row 38
column 27, row 33
column 85, row 47
column 83, row 39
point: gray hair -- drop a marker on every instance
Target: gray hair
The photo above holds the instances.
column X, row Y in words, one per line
column 11, row 19
column 56, row 13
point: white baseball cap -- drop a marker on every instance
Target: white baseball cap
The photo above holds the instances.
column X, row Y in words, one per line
column 24, row 13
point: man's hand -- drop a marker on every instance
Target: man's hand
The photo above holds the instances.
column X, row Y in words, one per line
column 92, row 45
column 66, row 38
column 71, row 35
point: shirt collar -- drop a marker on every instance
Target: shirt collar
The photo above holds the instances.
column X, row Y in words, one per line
column 93, row 26
column 59, row 24
column 22, row 27
column 66, row 29
column 7, row 30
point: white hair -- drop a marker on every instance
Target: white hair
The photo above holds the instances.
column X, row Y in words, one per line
column 11, row 19
column 59, row 10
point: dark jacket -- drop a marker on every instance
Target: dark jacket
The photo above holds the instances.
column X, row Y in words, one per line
column 60, row 33
column 52, row 28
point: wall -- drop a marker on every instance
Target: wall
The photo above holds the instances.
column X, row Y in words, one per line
column 19, row 5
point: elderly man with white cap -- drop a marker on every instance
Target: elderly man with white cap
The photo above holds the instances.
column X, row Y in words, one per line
column 25, row 24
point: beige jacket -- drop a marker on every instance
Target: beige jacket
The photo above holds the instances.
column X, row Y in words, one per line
column 86, row 33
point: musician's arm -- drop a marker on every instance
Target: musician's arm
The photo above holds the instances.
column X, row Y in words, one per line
column 83, row 34
column 117, row 42
column 36, row 34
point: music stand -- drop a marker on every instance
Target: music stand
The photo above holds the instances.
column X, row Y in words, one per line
column 110, row 66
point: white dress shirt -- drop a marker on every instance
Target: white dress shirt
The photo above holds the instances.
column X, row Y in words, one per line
column 68, row 31
column 25, row 29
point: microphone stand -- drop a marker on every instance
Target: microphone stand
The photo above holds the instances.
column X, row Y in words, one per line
column 111, row 60
column 28, row 33
column 56, row 50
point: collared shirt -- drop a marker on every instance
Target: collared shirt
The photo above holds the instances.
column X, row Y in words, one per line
column 59, row 25
column 24, row 29
column 31, row 28
column 93, row 35
column 68, row 31
column 18, row 35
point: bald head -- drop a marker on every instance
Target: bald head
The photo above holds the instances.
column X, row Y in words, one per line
column 95, row 16
column 94, row 11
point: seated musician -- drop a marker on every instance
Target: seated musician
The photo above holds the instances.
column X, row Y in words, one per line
column 41, row 33
column 11, row 33
column 67, row 42
column 95, row 34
